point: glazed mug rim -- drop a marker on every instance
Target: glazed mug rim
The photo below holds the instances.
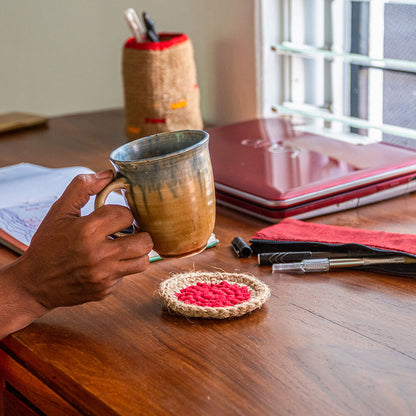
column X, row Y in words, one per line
column 203, row 138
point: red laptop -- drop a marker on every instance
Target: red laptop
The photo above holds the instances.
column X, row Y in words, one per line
column 268, row 169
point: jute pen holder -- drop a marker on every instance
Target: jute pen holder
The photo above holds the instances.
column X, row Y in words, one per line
column 160, row 86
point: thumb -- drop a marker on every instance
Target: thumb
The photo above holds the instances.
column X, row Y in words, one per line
column 78, row 192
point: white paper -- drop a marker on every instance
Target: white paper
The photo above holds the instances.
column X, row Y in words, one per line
column 27, row 192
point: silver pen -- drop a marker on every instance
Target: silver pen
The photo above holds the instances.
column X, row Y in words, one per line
column 136, row 26
column 324, row 265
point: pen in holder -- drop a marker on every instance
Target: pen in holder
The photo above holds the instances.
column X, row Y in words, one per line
column 160, row 86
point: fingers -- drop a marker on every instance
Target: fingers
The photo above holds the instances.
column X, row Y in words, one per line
column 99, row 290
column 132, row 246
column 78, row 192
column 133, row 266
column 111, row 271
column 122, row 269
column 126, row 255
column 115, row 258
column 109, row 219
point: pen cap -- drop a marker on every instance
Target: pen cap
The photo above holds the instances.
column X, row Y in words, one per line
column 160, row 86
column 241, row 248
column 305, row 266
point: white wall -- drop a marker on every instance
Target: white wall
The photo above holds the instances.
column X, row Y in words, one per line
column 59, row 57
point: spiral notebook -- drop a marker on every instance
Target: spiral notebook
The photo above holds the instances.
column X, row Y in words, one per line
column 270, row 169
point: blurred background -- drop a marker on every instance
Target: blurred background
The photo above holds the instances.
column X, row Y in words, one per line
column 65, row 57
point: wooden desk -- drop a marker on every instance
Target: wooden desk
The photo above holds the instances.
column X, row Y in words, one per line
column 341, row 343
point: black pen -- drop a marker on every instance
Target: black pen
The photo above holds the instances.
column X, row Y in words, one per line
column 294, row 256
column 151, row 29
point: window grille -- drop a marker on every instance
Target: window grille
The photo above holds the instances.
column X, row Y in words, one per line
column 343, row 68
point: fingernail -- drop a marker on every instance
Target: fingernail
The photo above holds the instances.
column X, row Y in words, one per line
column 104, row 174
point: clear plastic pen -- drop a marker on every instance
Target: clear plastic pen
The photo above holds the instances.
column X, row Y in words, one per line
column 323, row 265
column 136, row 26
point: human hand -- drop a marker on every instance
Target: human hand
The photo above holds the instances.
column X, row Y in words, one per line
column 72, row 259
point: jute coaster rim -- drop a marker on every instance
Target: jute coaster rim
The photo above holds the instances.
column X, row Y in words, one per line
column 259, row 294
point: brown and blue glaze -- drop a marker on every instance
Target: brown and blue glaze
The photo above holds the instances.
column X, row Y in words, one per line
column 168, row 184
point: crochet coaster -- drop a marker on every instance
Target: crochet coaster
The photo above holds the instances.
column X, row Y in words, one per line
column 213, row 295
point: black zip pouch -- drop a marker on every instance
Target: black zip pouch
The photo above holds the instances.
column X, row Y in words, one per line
column 292, row 235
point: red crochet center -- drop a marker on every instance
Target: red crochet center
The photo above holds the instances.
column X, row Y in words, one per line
column 214, row 294
column 167, row 40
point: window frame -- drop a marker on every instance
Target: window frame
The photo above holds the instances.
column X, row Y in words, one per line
column 283, row 80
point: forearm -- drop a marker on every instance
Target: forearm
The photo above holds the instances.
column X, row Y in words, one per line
column 17, row 307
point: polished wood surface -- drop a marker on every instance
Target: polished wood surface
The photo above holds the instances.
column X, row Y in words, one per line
column 339, row 343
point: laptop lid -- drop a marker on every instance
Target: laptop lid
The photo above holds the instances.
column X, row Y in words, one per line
column 268, row 163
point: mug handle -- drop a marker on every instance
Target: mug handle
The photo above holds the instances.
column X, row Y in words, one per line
column 117, row 184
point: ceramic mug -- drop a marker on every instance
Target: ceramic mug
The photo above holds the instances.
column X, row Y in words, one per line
column 167, row 182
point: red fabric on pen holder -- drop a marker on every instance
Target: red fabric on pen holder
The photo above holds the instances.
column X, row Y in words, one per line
column 295, row 235
column 160, row 86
